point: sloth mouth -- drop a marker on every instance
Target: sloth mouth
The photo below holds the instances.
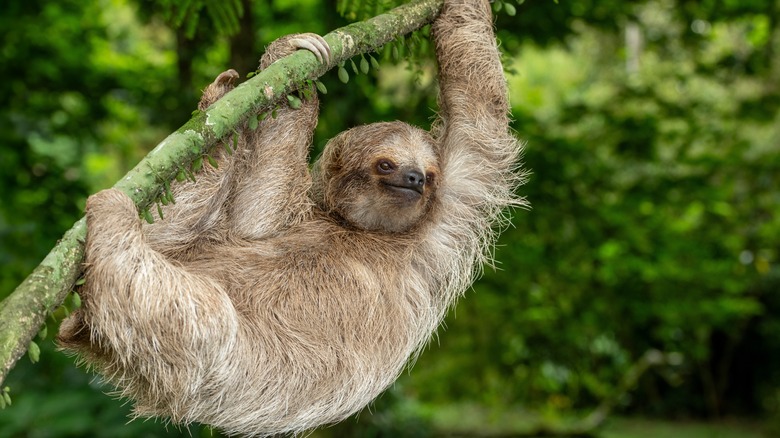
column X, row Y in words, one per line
column 414, row 192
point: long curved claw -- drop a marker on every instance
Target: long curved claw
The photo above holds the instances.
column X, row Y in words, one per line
column 226, row 77
column 315, row 44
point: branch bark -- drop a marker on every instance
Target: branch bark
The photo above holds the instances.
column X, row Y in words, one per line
column 23, row 312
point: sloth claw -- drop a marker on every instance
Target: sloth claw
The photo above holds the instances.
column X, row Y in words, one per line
column 226, row 77
column 315, row 44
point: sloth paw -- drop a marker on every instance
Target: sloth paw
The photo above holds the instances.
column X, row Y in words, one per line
column 313, row 43
column 225, row 79
column 221, row 85
column 110, row 205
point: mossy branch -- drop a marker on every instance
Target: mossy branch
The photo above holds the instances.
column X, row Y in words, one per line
column 23, row 312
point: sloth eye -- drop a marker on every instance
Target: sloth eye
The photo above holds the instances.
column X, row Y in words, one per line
column 429, row 178
column 385, row 166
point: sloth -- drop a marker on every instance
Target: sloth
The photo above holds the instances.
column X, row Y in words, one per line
column 274, row 298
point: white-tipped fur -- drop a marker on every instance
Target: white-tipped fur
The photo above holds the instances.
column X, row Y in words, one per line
column 269, row 301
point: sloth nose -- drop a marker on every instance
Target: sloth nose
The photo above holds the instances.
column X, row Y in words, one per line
column 415, row 178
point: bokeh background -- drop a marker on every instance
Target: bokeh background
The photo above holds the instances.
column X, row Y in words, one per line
column 641, row 286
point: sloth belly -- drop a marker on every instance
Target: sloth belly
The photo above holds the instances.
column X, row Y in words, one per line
column 321, row 334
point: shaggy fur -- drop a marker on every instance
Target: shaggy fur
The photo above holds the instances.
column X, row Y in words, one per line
column 270, row 300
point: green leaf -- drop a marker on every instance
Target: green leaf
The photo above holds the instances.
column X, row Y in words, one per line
column 212, row 161
column 343, row 75
column 364, row 65
column 76, row 298
column 321, row 87
column 147, row 216
column 197, row 164
column 43, row 332
column 169, row 193
column 510, row 9
column 34, row 352
column 294, row 102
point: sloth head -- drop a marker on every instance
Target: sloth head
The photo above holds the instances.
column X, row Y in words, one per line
column 380, row 177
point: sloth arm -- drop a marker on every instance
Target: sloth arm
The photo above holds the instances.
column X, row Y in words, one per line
column 199, row 209
column 478, row 154
column 258, row 189
column 148, row 312
column 473, row 97
column 272, row 183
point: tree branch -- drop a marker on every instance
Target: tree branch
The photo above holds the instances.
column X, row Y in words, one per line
column 23, row 312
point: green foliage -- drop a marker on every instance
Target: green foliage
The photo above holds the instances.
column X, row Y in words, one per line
column 651, row 227
column 224, row 15
column 71, row 118
column 356, row 10
column 5, row 398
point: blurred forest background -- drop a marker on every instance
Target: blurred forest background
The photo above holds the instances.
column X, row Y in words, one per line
column 653, row 135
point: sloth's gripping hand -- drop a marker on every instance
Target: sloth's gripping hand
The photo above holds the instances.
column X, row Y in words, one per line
column 313, row 43
column 272, row 181
column 278, row 49
column 290, row 43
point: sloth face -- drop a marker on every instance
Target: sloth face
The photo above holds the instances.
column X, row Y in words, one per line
column 405, row 184
column 401, row 182
column 382, row 176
